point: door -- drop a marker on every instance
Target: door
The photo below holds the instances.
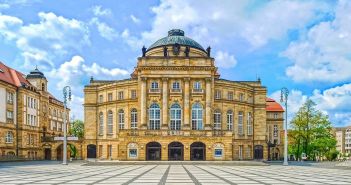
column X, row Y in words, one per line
column 258, row 153
column 91, row 151
column 153, row 151
column 198, row 151
column 175, row 151
column 47, row 152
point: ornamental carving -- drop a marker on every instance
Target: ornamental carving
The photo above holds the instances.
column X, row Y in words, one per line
column 132, row 145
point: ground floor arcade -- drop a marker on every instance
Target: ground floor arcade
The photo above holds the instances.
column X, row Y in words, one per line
column 175, row 149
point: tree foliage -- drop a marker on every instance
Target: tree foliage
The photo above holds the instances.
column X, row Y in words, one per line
column 77, row 128
column 311, row 133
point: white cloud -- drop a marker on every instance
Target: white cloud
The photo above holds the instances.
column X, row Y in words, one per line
column 225, row 60
column 335, row 101
column 215, row 24
column 105, row 31
column 323, row 54
column 42, row 42
column 135, row 19
column 99, row 11
column 75, row 72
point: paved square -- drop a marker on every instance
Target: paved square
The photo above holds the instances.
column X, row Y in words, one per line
column 169, row 174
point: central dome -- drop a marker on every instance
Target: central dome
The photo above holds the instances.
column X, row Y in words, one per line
column 176, row 36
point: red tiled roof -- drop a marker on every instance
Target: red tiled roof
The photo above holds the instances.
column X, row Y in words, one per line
column 273, row 106
column 12, row 76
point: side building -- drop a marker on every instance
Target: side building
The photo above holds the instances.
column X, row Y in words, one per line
column 29, row 116
column 343, row 139
column 175, row 106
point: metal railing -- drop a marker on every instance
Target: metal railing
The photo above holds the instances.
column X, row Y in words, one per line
column 186, row 133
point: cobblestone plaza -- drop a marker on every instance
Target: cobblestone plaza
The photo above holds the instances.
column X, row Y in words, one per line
column 169, row 174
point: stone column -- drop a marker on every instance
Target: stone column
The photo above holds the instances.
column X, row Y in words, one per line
column 164, row 104
column 143, row 108
column 208, row 104
column 186, row 121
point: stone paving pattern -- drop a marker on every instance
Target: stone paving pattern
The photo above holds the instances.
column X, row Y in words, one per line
column 170, row 174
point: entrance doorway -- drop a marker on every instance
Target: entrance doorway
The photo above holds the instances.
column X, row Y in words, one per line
column 59, row 153
column 91, row 151
column 258, row 153
column 198, row 151
column 176, row 151
column 153, row 151
column 47, row 153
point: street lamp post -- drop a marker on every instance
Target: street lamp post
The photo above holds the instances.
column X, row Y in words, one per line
column 284, row 99
column 66, row 96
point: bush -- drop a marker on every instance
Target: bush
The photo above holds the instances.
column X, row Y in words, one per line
column 332, row 155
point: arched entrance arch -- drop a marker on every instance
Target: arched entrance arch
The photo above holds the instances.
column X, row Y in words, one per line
column 198, row 151
column 258, row 152
column 91, row 151
column 153, row 151
column 175, row 151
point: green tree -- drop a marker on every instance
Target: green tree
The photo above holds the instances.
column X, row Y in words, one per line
column 77, row 128
column 311, row 133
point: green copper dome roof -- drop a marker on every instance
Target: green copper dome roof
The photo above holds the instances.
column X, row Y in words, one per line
column 176, row 36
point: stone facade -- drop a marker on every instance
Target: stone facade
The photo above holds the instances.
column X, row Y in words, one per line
column 175, row 107
column 37, row 117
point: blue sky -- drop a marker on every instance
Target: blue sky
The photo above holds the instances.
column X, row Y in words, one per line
column 302, row 45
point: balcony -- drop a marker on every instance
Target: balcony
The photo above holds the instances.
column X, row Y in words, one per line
column 185, row 133
column 176, row 91
column 197, row 91
column 47, row 139
column 154, row 90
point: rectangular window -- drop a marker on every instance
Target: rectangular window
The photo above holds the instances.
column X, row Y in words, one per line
column 9, row 98
column 120, row 95
column 230, row 95
column 241, row 97
column 109, row 96
column 101, row 98
column 275, row 130
column 217, row 120
column 218, row 94
column 230, row 120
column 59, row 126
column 109, row 151
column 100, row 150
column 218, row 152
column 176, row 85
column 275, row 115
column 197, row 85
column 248, row 152
column 133, row 153
column 121, row 120
column 240, row 123
column 133, row 94
column 9, row 115
column 240, row 152
column 134, row 120
column 249, row 124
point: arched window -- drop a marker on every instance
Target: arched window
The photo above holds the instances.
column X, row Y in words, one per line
column 101, row 123
column 154, row 85
column 109, row 122
column 196, row 117
column 9, row 137
column 230, row 120
column 134, row 119
column 249, row 123
column 121, row 119
column 176, row 116
column 217, row 120
column 154, row 117
column 240, row 123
